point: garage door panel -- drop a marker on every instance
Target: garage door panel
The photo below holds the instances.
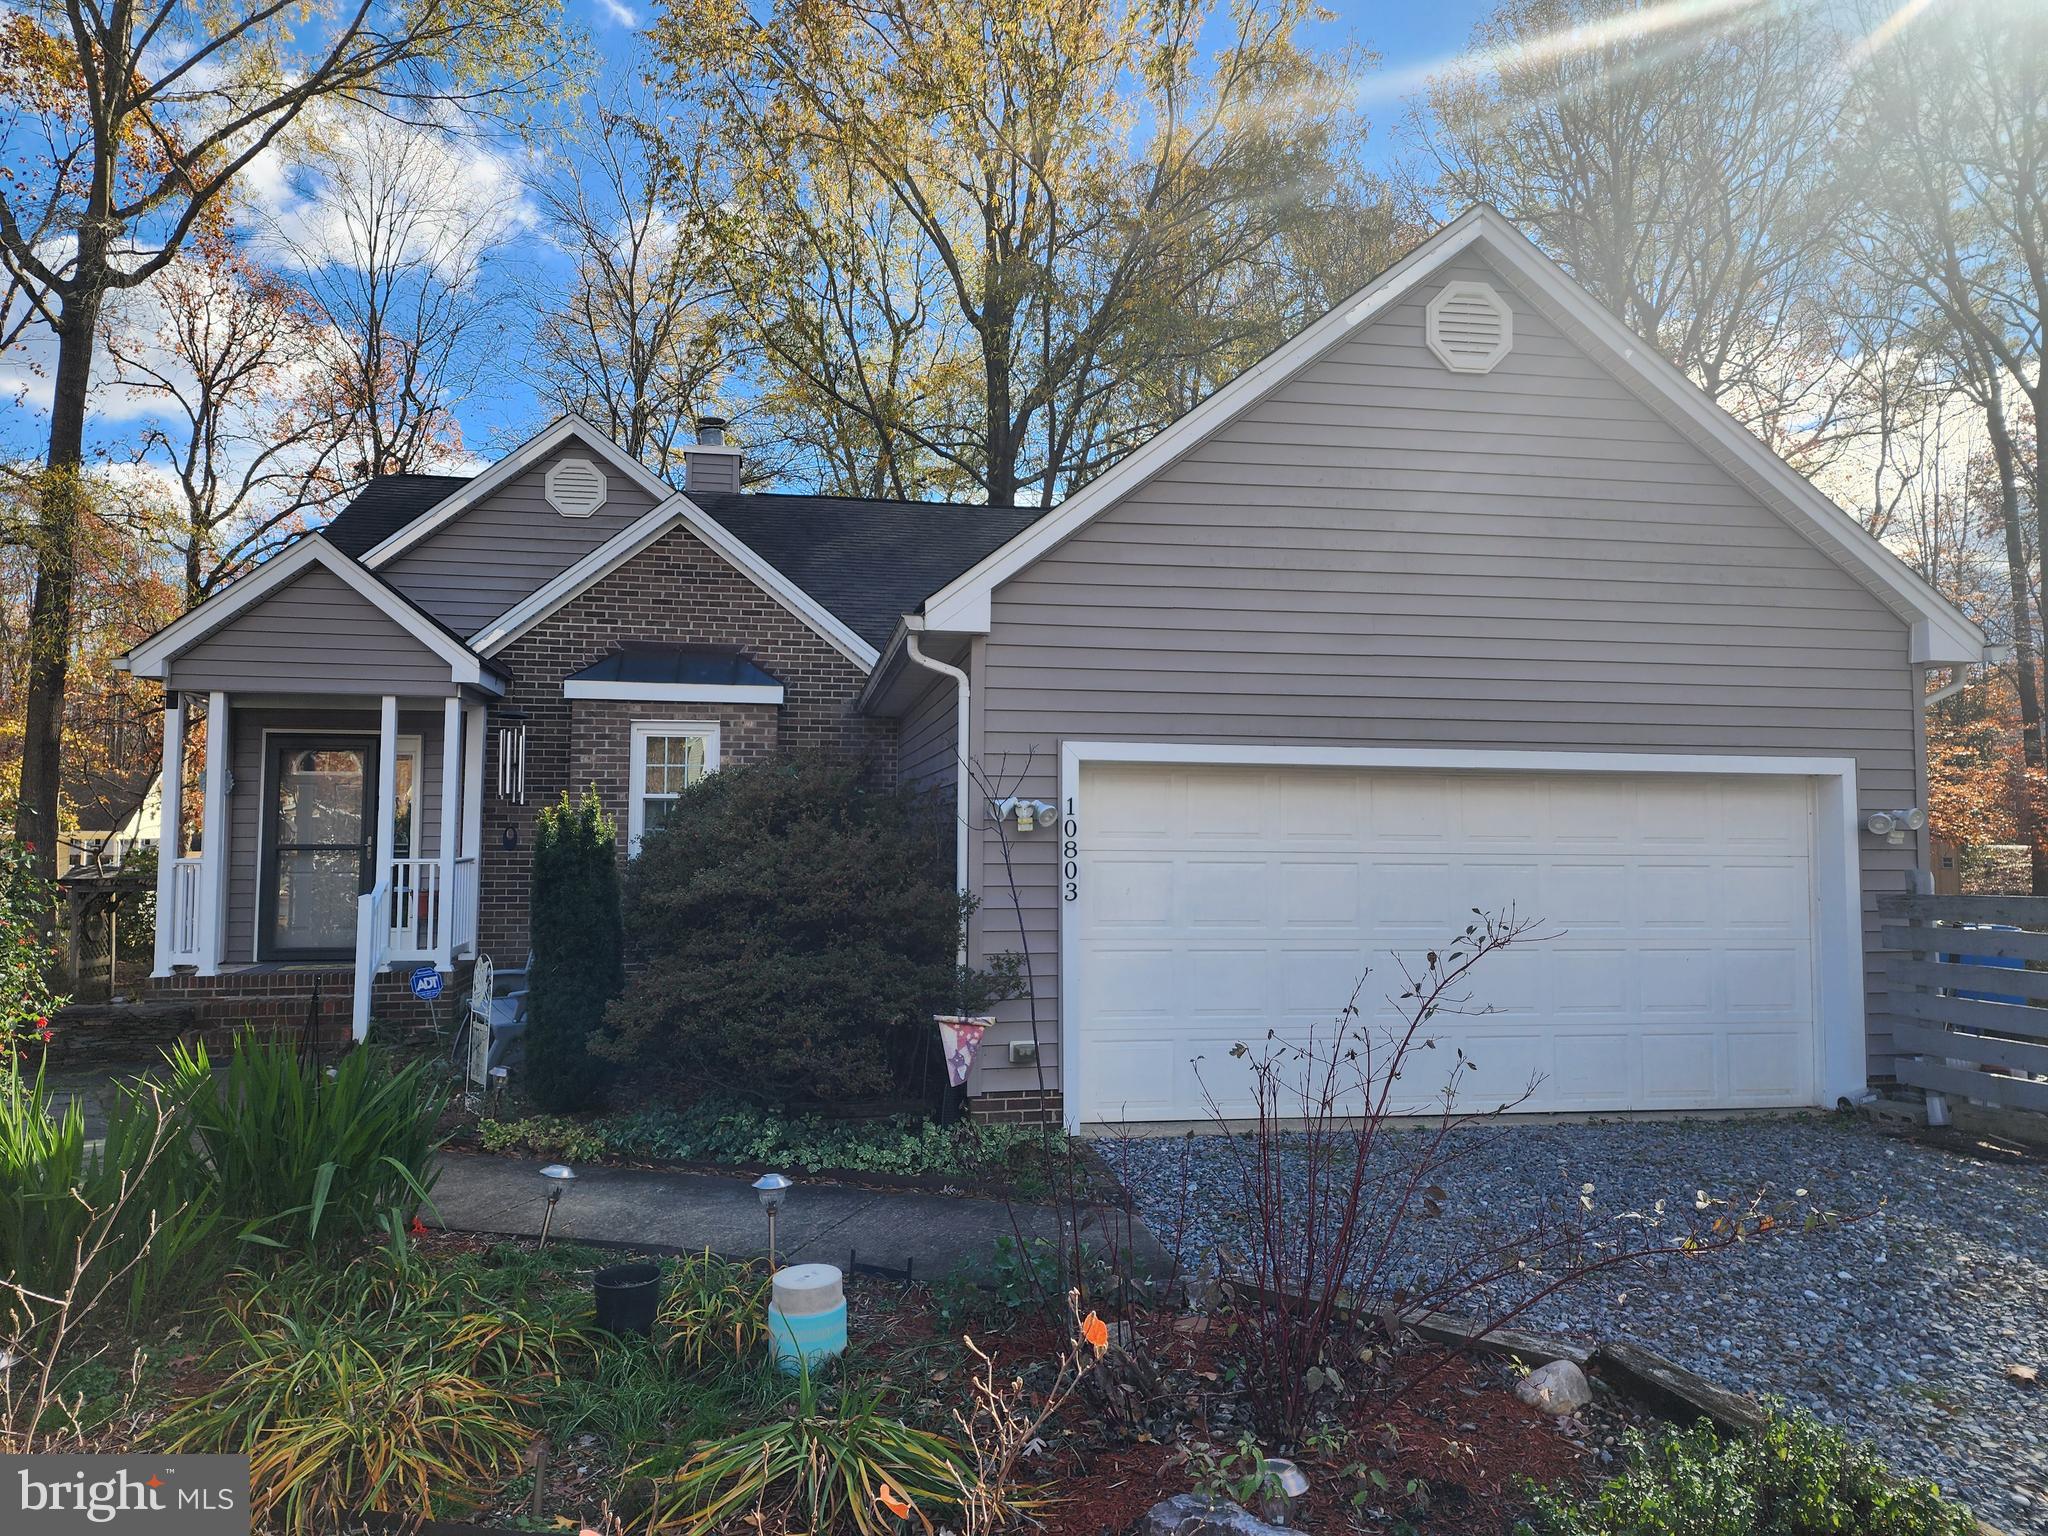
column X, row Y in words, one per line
column 1220, row 903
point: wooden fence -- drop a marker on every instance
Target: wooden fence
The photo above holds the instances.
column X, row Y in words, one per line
column 1969, row 995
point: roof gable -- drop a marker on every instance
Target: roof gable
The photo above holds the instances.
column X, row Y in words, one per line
column 1940, row 633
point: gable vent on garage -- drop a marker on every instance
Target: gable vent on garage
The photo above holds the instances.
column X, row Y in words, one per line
column 575, row 487
column 1470, row 327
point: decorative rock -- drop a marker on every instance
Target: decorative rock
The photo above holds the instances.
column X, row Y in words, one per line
column 1189, row 1514
column 1557, row 1388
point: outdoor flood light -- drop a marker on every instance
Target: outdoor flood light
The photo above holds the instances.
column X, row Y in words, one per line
column 1893, row 826
column 772, row 1188
column 559, row 1176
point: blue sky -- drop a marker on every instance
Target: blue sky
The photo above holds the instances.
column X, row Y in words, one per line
column 501, row 409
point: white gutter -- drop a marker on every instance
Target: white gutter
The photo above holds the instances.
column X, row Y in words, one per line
column 963, row 787
column 1994, row 656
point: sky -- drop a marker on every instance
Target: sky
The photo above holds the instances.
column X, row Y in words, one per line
column 500, row 408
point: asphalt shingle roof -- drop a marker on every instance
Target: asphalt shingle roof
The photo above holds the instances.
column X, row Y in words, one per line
column 386, row 505
column 867, row 562
column 645, row 661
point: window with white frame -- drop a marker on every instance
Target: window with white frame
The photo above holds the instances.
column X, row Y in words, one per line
column 668, row 757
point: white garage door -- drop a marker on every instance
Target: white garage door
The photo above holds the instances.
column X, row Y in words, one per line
column 1216, row 903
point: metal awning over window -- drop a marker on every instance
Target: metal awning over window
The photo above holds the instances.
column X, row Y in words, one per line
column 678, row 673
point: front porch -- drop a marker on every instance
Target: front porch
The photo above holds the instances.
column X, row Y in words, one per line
column 321, row 841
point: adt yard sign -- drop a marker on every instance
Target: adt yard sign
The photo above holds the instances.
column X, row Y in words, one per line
column 426, row 983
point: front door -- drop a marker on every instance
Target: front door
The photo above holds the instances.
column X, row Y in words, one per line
column 319, row 833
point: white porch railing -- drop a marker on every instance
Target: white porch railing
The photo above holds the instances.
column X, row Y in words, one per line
column 463, row 913
column 416, row 911
column 183, row 917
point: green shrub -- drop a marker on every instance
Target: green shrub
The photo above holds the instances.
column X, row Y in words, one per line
column 304, row 1156
column 545, row 1136
column 28, row 916
column 128, row 1214
column 720, row 1129
column 378, row 1387
column 817, row 1469
column 578, row 950
column 1797, row 1477
column 798, row 929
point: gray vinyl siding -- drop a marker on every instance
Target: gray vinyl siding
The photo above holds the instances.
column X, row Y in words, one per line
column 252, row 788
column 509, row 545
column 1386, row 553
column 315, row 634
column 927, row 740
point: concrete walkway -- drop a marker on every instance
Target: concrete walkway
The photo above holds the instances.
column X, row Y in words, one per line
column 660, row 1211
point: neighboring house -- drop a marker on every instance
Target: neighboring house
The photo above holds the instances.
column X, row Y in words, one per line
column 119, row 815
column 1462, row 598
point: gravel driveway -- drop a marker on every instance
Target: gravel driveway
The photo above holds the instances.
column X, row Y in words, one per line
column 1899, row 1326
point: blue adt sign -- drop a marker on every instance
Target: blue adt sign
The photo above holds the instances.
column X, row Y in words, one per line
column 426, row 983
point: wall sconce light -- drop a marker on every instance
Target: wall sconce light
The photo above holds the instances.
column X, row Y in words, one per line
column 1893, row 826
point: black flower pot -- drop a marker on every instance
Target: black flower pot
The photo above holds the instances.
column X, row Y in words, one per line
column 627, row 1295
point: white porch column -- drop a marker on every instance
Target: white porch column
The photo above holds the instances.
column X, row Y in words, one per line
column 451, row 778
column 213, row 850
column 473, row 788
column 387, row 790
column 170, row 839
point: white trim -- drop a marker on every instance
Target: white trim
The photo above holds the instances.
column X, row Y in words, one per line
column 473, row 783
column 214, row 850
column 170, row 833
column 450, row 830
column 964, row 604
column 557, row 432
column 636, row 767
column 637, row 536
column 1841, row 1068
column 154, row 656
column 677, row 693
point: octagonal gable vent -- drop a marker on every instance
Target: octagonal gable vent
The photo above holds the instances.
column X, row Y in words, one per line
column 575, row 487
column 1470, row 327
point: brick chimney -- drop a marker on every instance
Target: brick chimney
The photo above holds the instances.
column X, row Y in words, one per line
column 709, row 464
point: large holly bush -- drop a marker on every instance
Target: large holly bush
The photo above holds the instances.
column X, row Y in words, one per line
column 794, row 930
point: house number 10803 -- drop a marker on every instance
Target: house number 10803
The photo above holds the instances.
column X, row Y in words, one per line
column 1070, row 853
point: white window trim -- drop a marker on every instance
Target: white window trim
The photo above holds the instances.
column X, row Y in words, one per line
column 676, row 693
column 636, row 769
column 1841, row 1066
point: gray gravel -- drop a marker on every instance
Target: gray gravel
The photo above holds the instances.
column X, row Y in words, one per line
column 1899, row 1326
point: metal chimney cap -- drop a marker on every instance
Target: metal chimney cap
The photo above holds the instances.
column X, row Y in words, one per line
column 711, row 431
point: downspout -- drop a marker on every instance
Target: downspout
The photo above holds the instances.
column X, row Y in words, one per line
column 962, row 785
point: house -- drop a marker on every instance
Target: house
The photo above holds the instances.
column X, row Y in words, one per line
column 1461, row 598
column 119, row 813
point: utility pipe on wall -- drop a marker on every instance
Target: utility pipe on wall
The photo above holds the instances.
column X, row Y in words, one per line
column 962, row 780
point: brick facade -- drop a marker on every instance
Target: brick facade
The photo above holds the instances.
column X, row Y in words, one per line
column 676, row 592
column 280, row 998
column 1024, row 1106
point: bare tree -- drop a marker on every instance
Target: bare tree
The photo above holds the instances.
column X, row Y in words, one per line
column 1683, row 173
column 1948, row 148
column 125, row 125
column 398, row 250
column 218, row 347
column 640, row 343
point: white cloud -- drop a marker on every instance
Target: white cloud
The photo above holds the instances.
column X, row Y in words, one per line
column 623, row 15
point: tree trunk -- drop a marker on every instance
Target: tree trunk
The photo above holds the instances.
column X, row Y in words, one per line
column 60, row 506
column 2026, row 661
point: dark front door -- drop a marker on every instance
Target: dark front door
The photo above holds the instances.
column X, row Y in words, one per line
column 320, row 843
